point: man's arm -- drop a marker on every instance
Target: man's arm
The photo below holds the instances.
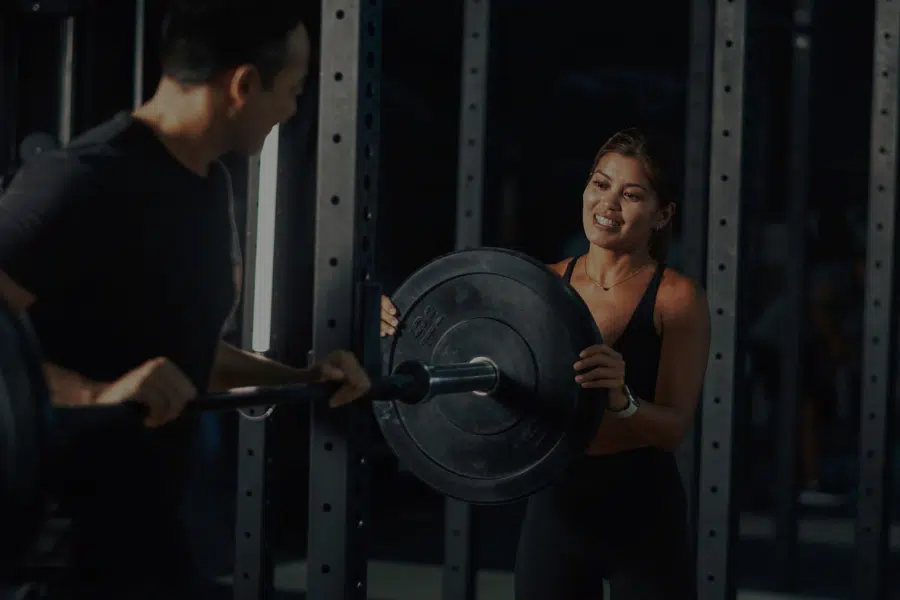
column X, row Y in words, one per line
column 67, row 388
column 43, row 219
column 234, row 368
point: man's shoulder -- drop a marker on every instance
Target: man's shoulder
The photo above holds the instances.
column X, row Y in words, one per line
column 106, row 135
column 96, row 158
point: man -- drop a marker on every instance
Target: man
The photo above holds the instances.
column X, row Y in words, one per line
column 121, row 250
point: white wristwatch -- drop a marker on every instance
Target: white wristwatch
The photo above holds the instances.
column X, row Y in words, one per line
column 630, row 409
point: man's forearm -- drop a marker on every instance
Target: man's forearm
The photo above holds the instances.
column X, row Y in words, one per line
column 235, row 368
column 68, row 388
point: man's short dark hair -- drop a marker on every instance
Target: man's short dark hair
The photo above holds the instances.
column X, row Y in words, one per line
column 203, row 38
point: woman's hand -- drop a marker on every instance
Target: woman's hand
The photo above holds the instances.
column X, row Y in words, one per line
column 389, row 320
column 600, row 366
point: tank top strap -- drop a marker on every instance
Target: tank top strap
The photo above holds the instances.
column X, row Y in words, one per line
column 570, row 268
column 647, row 303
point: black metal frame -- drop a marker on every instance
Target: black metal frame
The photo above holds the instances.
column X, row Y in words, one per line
column 795, row 288
column 9, row 79
column 346, row 200
column 473, row 110
column 878, row 348
column 696, row 185
column 459, row 568
column 716, row 515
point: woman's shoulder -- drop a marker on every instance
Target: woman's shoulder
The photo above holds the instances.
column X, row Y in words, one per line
column 679, row 293
column 560, row 267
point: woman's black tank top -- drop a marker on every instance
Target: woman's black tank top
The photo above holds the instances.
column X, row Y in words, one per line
column 638, row 481
column 639, row 343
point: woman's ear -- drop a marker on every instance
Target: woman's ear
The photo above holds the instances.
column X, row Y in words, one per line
column 665, row 216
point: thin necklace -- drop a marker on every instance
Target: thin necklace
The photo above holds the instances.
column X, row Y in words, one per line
column 623, row 280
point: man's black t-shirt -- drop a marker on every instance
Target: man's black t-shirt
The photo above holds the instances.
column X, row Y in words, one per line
column 130, row 256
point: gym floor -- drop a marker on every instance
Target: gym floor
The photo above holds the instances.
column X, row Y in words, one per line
column 407, row 542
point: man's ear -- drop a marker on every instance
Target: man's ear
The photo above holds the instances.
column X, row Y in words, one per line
column 242, row 82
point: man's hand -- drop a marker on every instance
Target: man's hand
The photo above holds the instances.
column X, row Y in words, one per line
column 342, row 366
column 389, row 320
column 158, row 384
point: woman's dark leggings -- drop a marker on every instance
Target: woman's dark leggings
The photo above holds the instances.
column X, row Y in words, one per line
column 619, row 518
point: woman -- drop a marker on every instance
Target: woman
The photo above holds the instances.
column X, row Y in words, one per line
column 620, row 512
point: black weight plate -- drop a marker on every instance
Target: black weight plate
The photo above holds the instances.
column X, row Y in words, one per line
column 509, row 308
column 24, row 410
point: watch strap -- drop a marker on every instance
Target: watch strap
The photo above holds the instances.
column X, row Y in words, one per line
column 630, row 409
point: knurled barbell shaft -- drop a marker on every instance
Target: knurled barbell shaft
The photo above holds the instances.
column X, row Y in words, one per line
column 411, row 382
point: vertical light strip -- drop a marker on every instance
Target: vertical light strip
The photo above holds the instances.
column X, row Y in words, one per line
column 265, row 243
column 67, row 81
column 140, row 9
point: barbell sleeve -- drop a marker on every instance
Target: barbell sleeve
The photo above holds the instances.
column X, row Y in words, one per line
column 480, row 375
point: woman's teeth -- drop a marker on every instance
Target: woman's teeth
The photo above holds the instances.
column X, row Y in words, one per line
column 604, row 221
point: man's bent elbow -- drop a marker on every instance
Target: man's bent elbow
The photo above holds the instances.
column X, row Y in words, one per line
column 17, row 297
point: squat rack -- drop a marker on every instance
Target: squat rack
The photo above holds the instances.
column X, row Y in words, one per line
column 346, row 204
column 348, row 148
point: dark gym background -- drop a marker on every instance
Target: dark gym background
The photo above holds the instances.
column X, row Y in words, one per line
column 564, row 75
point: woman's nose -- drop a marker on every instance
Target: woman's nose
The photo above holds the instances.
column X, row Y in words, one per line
column 609, row 199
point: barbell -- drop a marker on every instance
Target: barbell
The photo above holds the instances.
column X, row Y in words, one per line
column 477, row 395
